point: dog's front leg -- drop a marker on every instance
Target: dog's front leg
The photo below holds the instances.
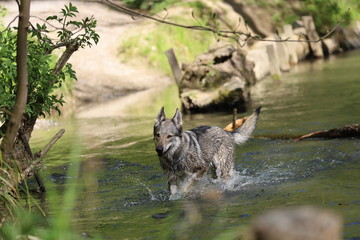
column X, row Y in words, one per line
column 172, row 185
column 194, row 176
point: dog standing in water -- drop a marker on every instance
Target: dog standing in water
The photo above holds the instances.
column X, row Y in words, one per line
column 188, row 155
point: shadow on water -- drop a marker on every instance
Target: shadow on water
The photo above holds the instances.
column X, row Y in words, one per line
column 124, row 193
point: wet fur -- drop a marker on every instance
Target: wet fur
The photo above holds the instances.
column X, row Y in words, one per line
column 188, row 155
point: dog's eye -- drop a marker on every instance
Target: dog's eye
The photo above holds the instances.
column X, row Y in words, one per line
column 157, row 135
column 169, row 136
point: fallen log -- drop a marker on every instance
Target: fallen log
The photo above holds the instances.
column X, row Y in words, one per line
column 348, row 131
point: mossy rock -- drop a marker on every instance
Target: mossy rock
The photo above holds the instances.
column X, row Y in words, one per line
column 217, row 80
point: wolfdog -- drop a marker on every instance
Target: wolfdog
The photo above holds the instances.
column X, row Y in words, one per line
column 187, row 155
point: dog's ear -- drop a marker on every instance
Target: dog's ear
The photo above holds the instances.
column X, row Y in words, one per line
column 160, row 117
column 177, row 119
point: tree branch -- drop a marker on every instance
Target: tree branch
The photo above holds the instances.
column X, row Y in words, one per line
column 70, row 49
column 31, row 169
column 43, row 152
column 8, row 26
column 222, row 33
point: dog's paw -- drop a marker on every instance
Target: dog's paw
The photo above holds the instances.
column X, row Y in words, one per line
column 175, row 196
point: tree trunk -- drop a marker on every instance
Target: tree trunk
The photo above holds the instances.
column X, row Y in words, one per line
column 22, row 82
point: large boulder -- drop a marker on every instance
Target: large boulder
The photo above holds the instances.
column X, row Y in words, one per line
column 297, row 223
column 217, row 80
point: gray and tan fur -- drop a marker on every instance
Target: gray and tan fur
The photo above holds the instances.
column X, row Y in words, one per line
column 188, row 155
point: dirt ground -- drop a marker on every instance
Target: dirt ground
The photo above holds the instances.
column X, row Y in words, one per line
column 105, row 85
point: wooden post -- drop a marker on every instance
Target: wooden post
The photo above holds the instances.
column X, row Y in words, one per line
column 234, row 119
column 288, row 33
column 313, row 36
column 274, row 63
column 283, row 55
column 174, row 64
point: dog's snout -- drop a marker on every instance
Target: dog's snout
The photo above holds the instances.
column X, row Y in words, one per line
column 159, row 149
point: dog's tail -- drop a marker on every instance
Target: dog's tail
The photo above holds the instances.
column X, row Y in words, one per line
column 242, row 134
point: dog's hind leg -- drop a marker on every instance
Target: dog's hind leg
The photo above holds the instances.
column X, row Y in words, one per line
column 223, row 165
column 213, row 171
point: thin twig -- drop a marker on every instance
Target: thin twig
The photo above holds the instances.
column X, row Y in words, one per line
column 47, row 22
column 11, row 22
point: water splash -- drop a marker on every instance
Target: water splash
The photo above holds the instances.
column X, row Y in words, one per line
column 152, row 196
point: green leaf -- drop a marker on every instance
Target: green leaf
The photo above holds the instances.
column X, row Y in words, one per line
column 54, row 17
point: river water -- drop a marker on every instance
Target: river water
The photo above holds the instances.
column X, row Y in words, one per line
column 123, row 193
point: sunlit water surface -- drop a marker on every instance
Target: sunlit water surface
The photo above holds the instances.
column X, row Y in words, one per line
column 124, row 192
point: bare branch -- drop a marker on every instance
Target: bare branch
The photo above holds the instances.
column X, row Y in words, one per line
column 43, row 152
column 223, row 33
column 11, row 22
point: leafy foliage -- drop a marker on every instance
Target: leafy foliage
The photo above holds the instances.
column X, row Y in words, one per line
column 326, row 13
column 42, row 80
column 85, row 29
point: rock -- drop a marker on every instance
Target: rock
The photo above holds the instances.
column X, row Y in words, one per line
column 217, row 80
column 330, row 46
column 300, row 223
column 283, row 54
column 261, row 62
column 348, row 38
column 289, row 34
column 160, row 215
column 258, row 19
column 302, row 48
column 274, row 60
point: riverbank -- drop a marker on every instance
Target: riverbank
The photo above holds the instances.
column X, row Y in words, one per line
column 108, row 86
column 102, row 78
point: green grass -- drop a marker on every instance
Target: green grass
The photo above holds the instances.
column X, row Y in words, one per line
column 148, row 47
column 151, row 46
column 31, row 221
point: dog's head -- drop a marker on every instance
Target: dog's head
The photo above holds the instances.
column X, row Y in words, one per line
column 167, row 131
